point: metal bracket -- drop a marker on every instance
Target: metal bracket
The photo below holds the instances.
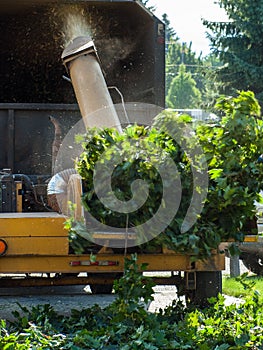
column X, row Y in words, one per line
column 190, row 280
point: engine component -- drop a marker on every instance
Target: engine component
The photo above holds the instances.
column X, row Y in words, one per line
column 22, row 193
column 8, row 199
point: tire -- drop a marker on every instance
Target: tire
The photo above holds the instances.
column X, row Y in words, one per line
column 208, row 284
column 99, row 288
column 254, row 263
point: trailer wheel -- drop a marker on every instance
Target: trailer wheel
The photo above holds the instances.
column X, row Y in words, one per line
column 103, row 288
column 208, row 284
column 252, row 262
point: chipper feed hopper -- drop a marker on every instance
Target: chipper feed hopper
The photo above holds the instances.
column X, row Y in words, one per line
column 42, row 99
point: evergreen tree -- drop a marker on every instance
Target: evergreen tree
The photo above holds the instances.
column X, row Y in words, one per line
column 183, row 93
column 201, row 69
column 211, row 86
column 145, row 2
column 238, row 45
column 178, row 53
column 170, row 34
column 181, row 53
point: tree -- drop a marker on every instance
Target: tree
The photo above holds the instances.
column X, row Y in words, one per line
column 183, row 93
column 238, row 45
column 170, row 34
column 145, row 2
column 181, row 53
column 178, row 53
column 211, row 87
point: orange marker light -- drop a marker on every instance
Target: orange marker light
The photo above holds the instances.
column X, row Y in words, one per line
column 3, row 247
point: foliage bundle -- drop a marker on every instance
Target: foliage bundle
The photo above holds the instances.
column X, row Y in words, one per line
column 157, row 158
column 231, row 149
column 126, row 325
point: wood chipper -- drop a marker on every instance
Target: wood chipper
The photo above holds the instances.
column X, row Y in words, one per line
column 38, row 108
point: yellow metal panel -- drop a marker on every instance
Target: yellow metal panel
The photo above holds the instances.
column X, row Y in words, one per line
column 248, row 238
column 19, row 197
column 32, row 224
column 251, row 238
column 157, row 262
column 215, row 262
column 36, row 245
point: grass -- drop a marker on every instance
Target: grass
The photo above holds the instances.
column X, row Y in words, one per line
column 233, row 287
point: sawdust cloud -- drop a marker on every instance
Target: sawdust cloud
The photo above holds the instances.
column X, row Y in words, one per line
column 72, row 21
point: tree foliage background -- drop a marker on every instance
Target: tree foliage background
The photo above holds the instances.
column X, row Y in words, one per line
column 183, row 93
column 238, row 45
column 200, row 68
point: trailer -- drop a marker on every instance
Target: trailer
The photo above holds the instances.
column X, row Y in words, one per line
column 39, row 107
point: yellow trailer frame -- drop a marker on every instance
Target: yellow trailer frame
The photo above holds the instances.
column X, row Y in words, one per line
column 38, row 243
column 38, row 248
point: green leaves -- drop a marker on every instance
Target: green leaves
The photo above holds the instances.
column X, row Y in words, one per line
column 232, row 148
column 144, row 154
column 126, row 324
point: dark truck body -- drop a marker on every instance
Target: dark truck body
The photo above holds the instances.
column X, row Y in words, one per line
column 32, row 87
